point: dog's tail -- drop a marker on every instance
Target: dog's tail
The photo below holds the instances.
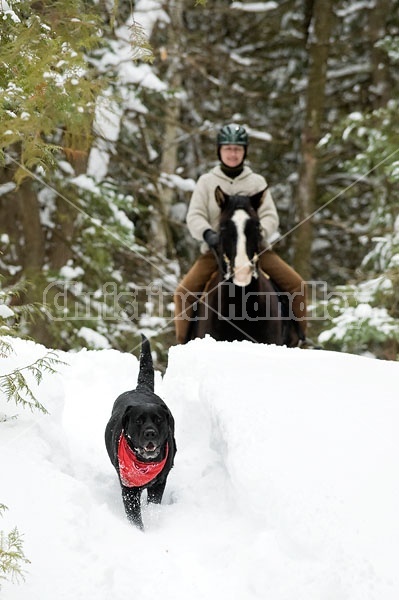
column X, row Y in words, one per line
column 145, row 380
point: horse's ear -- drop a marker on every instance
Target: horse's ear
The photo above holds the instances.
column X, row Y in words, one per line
column 257, row 199
column 220, row 196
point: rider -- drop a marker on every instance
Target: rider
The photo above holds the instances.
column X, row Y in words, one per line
column 234, row 177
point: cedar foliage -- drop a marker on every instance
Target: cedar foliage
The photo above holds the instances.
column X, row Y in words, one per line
column 365, row 313
column 47, row 93
column 12, row 557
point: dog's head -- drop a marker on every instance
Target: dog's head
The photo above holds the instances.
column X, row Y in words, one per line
column 146, row 428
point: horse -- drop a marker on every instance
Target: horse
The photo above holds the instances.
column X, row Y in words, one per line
column 240, row 302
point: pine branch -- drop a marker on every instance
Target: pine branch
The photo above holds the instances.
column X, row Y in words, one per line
column 15, row 387
column 12, row 557
column 140, row 44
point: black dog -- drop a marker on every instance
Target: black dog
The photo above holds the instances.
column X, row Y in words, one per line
column 140, row 440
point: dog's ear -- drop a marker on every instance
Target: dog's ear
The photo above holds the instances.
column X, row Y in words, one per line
column 170, row 420
column 126, row 417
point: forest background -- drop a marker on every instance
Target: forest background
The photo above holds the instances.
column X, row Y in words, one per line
column 108, row 115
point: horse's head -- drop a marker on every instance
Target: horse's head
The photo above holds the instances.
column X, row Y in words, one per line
column 240, row 235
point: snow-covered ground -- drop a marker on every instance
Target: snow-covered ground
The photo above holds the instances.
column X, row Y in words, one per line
column 285, row 485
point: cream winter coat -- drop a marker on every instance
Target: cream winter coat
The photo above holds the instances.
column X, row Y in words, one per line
column 203, row 211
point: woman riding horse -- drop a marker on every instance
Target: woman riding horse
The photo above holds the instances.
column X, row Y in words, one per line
column 239, row 301
column 234, row 178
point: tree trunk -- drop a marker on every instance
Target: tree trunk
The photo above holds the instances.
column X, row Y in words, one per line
column 62, row 235
column 20, row 219
column 33, row 236
column 380, row 83
column 65, row 218
column 320, row 26
column 172, row 54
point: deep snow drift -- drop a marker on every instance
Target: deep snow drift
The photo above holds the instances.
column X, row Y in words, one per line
column 285, row 486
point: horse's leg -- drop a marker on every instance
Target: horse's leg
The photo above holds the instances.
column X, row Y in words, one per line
column 187, row 293
column 272, row 329
column 208, row 309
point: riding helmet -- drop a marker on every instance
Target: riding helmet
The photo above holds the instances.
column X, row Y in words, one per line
column 232, row 134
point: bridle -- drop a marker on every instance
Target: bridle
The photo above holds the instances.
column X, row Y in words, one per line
column 223, row 261
column 228, row 272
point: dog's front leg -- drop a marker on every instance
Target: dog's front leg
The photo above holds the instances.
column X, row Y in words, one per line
column 155, row 492
column 132, row 502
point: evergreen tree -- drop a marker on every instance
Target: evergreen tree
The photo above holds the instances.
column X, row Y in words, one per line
column 68, row 231
column 366, row 313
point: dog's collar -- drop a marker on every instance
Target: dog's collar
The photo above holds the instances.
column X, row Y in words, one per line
column 134, row 473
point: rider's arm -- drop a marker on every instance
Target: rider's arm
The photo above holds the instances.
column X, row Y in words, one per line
column 268, row 216
column 199, row 217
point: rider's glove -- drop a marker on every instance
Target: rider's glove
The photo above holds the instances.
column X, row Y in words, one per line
column 212, row 238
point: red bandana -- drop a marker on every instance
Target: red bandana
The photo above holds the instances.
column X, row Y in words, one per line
column 134, row 473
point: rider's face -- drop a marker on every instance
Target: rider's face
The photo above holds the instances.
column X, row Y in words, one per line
column 232, row 155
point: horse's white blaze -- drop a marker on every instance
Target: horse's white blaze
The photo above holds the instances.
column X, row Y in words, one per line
column 242, row 266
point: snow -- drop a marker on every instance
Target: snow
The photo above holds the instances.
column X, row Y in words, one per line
column 175, row 181
column 98, row 160
column 359, row 317
column 93, row 338
column 142, row 75
column 285, row 483
column 355, row 7
column 6, row 188
column 107, row 122
column 7, row 11
column 254, row 6
column 70, row 272
column 148, row 13
column 107, row 118
column 259, row 135
column 86, row 182
column 6, row 312
column 109, row 112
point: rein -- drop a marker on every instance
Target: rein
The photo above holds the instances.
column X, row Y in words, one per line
column 228, row 273
column 218, row 261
